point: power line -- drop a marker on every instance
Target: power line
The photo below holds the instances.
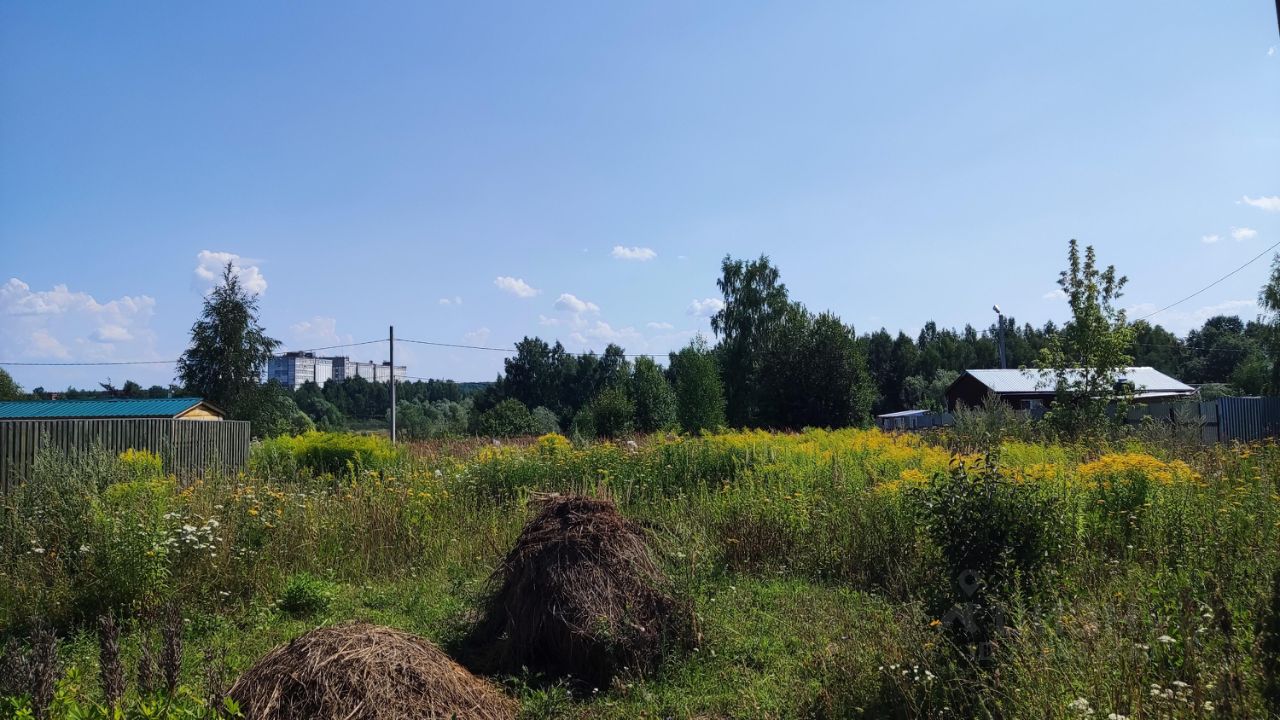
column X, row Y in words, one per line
column 345, row 345
column 1215, row 282
column 512, row 351
column 79, row 364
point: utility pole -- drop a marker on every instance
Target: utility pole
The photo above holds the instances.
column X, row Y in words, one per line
column 1000, row 321
column 392, row 342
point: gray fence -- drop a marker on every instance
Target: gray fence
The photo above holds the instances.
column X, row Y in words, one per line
column 1228, row 419
column 1205, row 414
column 187, row 447
column 1248, row 418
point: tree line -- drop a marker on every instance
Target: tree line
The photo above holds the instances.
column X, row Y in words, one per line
column 774, row 364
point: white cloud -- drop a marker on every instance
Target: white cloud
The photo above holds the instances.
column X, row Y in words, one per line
column 44, row 324
column 316, row 332
column 1270, row 204
column 1209, row 239
column 111, row 334
column 16, row 298
column 515, row 286
column 455, row 300
column 1243, row 233
column 638, row 254
column 42, row 344
column 1055, row 294
column 660, row 326
column 705, row 307
column 479, row 336
column 548, row 321
column 1271, row 51
column 570, row 303
column 602, row 332
column 209, row 265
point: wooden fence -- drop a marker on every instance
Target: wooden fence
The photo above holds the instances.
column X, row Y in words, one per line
column 187, row 447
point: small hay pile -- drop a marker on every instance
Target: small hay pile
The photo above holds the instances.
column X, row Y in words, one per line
column 579, row 596
column 365, row 672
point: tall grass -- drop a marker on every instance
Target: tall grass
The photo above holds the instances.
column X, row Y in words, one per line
column 766, row 533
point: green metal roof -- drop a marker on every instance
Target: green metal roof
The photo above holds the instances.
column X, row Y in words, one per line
column 42, row 409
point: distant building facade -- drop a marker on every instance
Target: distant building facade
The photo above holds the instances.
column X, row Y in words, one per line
column 293, row 369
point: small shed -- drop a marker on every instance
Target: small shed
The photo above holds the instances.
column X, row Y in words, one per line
column 1028, row 389
column 188, row 408
column 900, row 420
column 913, row 420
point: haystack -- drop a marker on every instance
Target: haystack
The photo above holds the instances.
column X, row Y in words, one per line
column 579, row 597
column 364, row 672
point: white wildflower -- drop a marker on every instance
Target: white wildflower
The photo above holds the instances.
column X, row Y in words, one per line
column 1081, row 705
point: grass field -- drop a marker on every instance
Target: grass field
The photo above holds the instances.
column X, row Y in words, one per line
column 833, row 574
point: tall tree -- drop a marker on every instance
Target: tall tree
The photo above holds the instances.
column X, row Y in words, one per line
column 699, row 394
column 1088, row 354
column 1158, row 348
column 1217, row 348
column 9, row 389
column 229, row 348
column 654, row 399
column 755, row 302
column 879, row 354
column 835, row 386
column 1269, row 300
column 534, row 375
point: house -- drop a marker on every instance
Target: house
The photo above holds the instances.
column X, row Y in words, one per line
column 1032, row 389
column 110, row 409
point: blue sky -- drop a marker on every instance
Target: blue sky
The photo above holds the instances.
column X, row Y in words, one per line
column 578, row 170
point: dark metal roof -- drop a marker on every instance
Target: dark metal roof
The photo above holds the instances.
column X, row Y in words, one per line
column 147, row 407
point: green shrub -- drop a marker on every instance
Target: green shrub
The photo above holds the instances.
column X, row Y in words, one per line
column 316, row 453
column 583, row 426
column 509, row 418
column 978, row 429
column 612, row 413
column 140, row 464
column 545, row 421
column 1271, row 647
column 273, row 459
column 306, row 594
column 996, row 538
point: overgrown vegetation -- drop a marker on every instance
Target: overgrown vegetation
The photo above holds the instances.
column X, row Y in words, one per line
column 830, row 573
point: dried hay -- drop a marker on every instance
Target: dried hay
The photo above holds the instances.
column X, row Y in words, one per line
column 579, row 596
column 365, row 672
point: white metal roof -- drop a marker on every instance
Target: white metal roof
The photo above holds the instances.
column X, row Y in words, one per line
column 1147, row 381
column 903, row 413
